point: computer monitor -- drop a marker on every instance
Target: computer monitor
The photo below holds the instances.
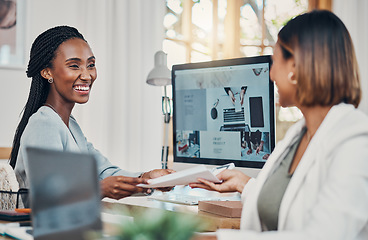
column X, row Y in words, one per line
column 223, row 112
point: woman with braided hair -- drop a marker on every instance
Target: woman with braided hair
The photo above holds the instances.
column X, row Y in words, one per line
column 62, row 68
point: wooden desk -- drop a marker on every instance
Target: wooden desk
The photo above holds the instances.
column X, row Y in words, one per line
column 136, row 204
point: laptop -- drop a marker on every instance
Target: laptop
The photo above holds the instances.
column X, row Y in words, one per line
column 64, row 194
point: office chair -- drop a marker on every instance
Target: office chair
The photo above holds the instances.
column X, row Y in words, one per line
column 9, row 188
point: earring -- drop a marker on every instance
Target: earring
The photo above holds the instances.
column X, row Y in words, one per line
column 50, row 80
column 290, row 75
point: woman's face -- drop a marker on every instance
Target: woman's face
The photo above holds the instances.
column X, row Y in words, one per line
column 279, row 72
column 73, row 70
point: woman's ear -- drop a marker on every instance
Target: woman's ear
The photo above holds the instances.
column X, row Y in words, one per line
column 291, row 64
column 45, row 73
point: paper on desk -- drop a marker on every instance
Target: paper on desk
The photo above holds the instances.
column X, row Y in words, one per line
column 182, row 178
column 18, row 232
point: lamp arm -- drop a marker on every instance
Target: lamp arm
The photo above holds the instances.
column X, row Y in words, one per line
column 166, row 110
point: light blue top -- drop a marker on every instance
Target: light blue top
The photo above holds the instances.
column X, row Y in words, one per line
column 45, row 129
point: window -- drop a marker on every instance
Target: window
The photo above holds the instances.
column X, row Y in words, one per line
column 204, row 30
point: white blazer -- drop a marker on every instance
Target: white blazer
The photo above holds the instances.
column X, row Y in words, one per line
column 327, row 197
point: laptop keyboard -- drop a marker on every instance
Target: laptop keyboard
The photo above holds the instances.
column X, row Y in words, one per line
column 189, row 199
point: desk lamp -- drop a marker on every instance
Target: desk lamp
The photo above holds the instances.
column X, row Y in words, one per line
column 160, row 75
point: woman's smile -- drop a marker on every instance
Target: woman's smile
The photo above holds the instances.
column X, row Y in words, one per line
column 82, row 89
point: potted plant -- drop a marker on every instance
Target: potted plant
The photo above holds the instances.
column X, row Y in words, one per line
column 155, row 224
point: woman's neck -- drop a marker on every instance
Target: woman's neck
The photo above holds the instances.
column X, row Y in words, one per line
column 314, row 116
column 63, row 110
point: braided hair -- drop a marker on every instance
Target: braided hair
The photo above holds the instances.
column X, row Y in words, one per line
column 43, row 52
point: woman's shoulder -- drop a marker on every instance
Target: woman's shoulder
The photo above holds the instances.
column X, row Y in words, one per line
column 44, row 120
column 45, row 116
column 344, row 124
column 45, row 129
column 348, row 117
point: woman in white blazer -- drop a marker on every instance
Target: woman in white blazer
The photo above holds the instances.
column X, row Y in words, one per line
column 322, row 192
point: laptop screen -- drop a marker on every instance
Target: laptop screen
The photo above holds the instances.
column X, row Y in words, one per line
column 64, row 194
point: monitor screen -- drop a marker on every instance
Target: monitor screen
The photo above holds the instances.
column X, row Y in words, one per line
column 223, row 111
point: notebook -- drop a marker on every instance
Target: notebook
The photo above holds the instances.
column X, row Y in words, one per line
column 64, row 194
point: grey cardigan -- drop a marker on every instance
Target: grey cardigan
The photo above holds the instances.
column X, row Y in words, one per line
column 46, row 129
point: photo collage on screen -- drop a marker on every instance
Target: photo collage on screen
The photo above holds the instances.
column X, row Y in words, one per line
column 223, row 113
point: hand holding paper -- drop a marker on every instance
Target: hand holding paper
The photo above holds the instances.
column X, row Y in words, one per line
column 232, row 181
column 185, row 177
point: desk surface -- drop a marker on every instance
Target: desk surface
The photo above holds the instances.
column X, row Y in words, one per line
column 136, row 204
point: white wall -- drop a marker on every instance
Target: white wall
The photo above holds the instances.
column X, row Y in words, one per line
column 13, row 93
column 354, row 14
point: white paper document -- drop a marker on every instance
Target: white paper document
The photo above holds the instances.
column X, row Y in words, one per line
column 182, row 178
column 14, row 230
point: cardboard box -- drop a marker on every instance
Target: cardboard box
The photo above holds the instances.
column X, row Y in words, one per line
column 232, row 209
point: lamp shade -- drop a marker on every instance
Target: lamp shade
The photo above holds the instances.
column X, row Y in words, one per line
column 160, row 75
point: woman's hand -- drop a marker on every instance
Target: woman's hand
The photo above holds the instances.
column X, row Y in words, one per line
column 158, row 173
column 232, row 181
column 118, row 187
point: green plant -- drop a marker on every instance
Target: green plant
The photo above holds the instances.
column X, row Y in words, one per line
column 161, row 225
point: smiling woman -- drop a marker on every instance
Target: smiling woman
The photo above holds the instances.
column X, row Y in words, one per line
column 72, row 74
column 62, row 68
